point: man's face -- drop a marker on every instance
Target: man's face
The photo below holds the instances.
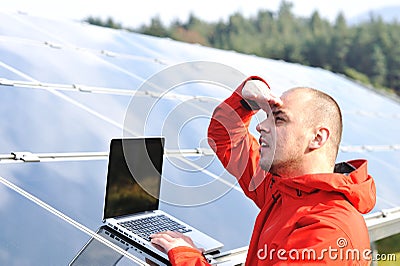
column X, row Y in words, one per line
column 291, row 133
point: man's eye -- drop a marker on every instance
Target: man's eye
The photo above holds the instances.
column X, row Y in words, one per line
column 279, row 118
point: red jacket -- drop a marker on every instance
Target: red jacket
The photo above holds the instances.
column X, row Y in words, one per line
column 313, row 218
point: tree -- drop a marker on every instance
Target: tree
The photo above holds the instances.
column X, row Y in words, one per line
column 109, row 23
column 378, row 71
column 393, row 59
column 316, row 50
column 360, row 49
column 339, row 45
column 193, row 31
column 241, row 34
column 369, row 51
column 289, row 36
column 156, row 28
column 268, row 35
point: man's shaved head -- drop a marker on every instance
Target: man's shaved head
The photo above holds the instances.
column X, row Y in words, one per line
column 322, row 110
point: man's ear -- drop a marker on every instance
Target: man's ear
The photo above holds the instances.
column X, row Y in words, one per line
column 320, row 138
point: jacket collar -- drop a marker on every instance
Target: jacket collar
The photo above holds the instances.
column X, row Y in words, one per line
column 351, row 179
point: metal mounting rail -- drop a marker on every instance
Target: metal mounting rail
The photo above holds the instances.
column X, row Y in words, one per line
column 383, row 224
column 148, row 93
column 157, row 93
column 26, row 156
column 369, row 148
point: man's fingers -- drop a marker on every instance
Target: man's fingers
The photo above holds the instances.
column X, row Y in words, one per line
column 163, row 235
column 161, row 241
column 168, row 240
column 258, row 91
column 254, row 89
column 271, row 98
column 174, row 233
column 164, row 240
column 276, row 101
column 169, row 235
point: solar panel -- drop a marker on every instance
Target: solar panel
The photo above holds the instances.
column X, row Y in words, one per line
column 69, row 87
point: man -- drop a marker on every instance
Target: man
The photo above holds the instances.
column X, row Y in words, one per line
column 310, row 209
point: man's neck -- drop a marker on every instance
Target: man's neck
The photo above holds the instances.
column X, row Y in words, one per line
column 303, row 168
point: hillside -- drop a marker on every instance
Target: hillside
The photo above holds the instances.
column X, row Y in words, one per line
column 368, row 52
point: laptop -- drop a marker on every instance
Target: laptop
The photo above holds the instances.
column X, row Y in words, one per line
column 131, row 204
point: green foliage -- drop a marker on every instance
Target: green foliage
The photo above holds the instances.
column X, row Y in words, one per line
column 109, row 23
column 368, row 52
column 156, row 28
column 354, row 74
column 387, row 246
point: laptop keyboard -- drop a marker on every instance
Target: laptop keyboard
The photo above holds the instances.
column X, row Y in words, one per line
column 146, row 226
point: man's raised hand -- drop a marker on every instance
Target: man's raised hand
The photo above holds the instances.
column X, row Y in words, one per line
column 258, row 92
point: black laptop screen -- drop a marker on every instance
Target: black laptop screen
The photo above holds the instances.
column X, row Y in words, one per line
column 134, row 176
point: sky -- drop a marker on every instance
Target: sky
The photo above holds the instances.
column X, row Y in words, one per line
column 136, row 13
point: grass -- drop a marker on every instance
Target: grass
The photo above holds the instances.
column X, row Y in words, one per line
column 387, row 246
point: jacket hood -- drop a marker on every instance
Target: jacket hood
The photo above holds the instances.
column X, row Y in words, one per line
column 356, row 185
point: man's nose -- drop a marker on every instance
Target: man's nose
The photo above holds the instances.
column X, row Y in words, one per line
column 263, row 126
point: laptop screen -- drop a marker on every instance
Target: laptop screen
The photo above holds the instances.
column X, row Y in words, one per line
column 134, row 176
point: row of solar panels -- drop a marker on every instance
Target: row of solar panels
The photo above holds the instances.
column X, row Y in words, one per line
column 69, row 87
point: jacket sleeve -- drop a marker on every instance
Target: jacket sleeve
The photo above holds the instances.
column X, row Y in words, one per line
column 186, row 256
column 233, row 144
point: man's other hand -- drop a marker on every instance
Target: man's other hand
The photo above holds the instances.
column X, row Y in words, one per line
column 169, row 240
